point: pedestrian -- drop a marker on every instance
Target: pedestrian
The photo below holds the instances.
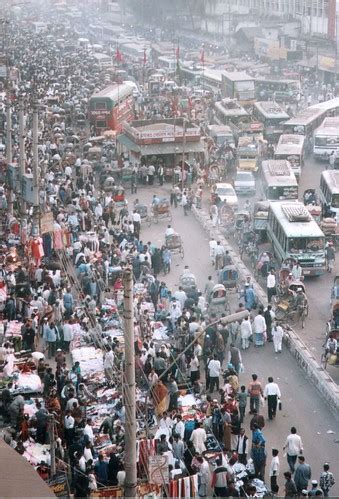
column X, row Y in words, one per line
column 184, row 203
column 245, row 332
column 161, row 174
column 331, row 160
column 214, row 368
column 326, row 481
column 277, row 335
column 315, row 490
column 241, row 447
column 272, row 394
column 302, row 474
column 260, row 329
column 214, row 214
column 249, row 297
column 234, row 358
column 255, row 392
column 271, row 285
column 242, row 402
column 219, row 256
column 173, row 197
column 213, row 246
column 330, row 256
column 269, row 317
column 290, row 487
column 274, row 471
column 198, row 438
column 219, row 479
column 293, row 447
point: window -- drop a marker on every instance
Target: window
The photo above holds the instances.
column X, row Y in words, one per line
column 101, row 124
column 100, row 106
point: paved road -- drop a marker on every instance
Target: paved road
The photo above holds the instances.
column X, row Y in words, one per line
column 302, row 406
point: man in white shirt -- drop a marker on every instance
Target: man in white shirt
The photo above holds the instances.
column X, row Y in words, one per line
column 213, row 246
column 272, row 394
column 181, row 297
column 169, row 231
column 245, row 333
column 271, row 286
column 274, row 471
column 179, row 427
column 214, row 368
column 109, row 364
column 199, row 438
column 259, row 324
column 88, row 431
column 293, row 447
column 69, row 423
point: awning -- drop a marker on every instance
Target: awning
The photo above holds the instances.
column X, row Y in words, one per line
column 128, row 143
column 171, row 148
column 18, row 478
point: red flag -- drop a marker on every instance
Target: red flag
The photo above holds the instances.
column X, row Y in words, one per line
column 145, row 56
column 118, row 56
column 202, row 56
column 177, row 53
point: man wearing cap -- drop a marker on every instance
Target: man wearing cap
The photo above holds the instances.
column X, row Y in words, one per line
column 315, row 489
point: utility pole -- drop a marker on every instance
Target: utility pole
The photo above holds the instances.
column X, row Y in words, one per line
column 129, row 388
column 183, row 152
column 35, row 170
column 22, row 155
column 9, row 151
column 51, row 426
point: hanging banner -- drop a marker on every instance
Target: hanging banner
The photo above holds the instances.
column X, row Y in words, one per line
column 59, row 485
column 158, row 469
column 47, row 223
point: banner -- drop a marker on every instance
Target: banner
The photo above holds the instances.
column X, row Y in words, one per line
column 59, row 485
column 47, row 223
column 331, row 19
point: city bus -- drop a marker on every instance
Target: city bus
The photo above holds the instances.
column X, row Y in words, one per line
column 229, row 110
column 308, row 120
column 211, row 79
column 278, row 180
column 291, row 147
column 111, row 107
column 294, row 234
column 272, row 116
column 329, row 191
column 279, row 90
column 326, row 138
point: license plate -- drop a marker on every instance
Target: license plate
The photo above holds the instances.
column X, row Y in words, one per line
column 306, row 272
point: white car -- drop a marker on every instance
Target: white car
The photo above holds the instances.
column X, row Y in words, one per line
column 227, row 194
column 244, row 183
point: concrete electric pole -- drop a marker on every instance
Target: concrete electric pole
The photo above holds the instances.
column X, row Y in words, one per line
column 129, row 388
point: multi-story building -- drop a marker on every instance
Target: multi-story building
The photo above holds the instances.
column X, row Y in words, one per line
column 313, row 15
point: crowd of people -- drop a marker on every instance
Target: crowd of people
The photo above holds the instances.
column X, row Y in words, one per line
column 63, row 345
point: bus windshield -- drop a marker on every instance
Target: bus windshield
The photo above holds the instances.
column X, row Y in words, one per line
column 276, row 193
column 326, row 141
column 306, row 244
column 335, row 201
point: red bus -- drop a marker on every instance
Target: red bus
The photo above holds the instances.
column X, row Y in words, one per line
column 111, row 107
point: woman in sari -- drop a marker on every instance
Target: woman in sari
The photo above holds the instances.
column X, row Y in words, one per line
column 160, row 398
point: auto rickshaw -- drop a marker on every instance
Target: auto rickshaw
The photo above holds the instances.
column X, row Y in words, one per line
column 260, row 220
column 229, row 277
column 218, row 303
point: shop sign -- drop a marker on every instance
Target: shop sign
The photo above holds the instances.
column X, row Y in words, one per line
column 47, row 223
column 59, row 485
column 158, row 469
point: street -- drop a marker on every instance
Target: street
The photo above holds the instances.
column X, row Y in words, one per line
column 300, row 401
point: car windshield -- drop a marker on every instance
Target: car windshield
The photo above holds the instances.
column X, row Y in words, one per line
column 225, row 191
column 244, row 177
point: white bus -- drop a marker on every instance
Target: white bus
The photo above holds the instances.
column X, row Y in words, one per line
column 326, row 138
column 211, row 79
column 295, row 234
column 308, row 120
column 329, row 191
column 278, row 180
column 291, row 147
column 103, row 60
